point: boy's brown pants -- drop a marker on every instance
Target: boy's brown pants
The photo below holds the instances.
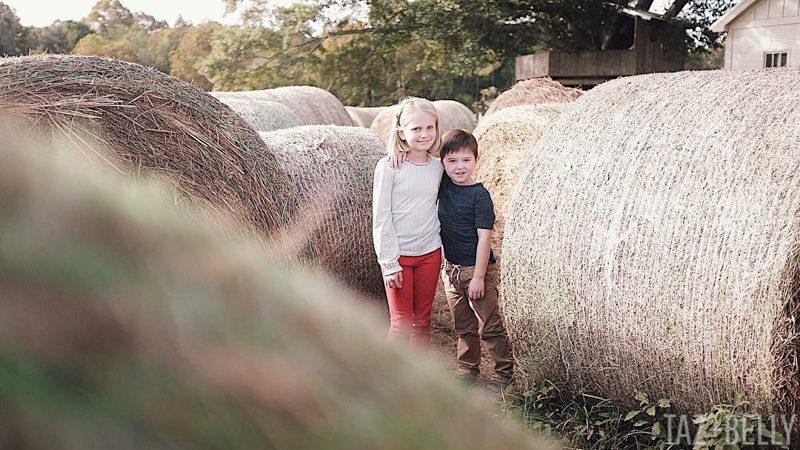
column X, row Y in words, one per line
column 476, row 320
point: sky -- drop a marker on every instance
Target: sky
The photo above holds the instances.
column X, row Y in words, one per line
column 44, row 12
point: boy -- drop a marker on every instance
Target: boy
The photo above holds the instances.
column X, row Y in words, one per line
column 467, row 217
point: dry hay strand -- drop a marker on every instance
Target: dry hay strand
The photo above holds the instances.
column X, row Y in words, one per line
column 532, row 92
column 364, row 115
column 505, row 140
column 153, row 124
column 311, row 105
column 452, row 115
column 122, row 321
column 652, row 242
column 262, row 115
column 332, row 169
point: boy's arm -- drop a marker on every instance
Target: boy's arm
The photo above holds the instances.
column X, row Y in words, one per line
column 476, row 285
column 484, row 223
column 482, row 253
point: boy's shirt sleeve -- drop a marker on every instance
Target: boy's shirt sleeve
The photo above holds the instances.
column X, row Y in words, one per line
column 384, row 236
column 484, row 210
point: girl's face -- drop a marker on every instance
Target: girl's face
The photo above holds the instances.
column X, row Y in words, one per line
column 419, row 132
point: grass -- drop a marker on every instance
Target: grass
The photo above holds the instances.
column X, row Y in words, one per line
column 579, row 420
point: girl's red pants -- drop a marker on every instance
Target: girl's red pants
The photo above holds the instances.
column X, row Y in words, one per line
column 410, row 306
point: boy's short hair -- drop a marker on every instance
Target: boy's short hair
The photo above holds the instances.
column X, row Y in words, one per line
column 456, row 140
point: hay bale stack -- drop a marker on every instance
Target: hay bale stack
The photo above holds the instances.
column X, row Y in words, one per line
column 311, row 105
column 363, row 115
column 452, row 115
column 153, row 125
column 262, row 115
column 653, row 241
column 122, row 322
column 505, row 141
column 332, row 169
column 533, row 92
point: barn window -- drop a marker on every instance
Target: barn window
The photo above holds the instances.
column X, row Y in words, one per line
column 776, row 59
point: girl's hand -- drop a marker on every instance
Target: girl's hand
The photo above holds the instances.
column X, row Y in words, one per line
column 397, row 160
column 394, row 281
column 475, row 289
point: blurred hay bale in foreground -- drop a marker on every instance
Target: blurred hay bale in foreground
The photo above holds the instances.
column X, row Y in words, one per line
column 125, row 325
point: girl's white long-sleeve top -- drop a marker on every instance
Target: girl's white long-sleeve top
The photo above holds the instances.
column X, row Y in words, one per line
column 404, row 216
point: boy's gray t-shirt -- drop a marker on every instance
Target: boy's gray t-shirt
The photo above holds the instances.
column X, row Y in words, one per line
column 462, row 210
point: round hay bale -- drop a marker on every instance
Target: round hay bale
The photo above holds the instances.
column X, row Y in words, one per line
column 152, row 124
column 505, row 141
column 311, row 105
column 363, row 115
column 122, row 322
column 452, row 115
column 382, row 124
column 332, row 169
column 653, row 242
column 262, row 115
column 532, row 92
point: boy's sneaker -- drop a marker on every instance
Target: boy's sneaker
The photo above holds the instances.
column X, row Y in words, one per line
column 495, row 388
column 467, row 380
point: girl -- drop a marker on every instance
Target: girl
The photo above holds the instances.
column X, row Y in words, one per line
column 405, row 224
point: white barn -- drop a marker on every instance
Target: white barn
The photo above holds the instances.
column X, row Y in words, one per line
column 761, row 34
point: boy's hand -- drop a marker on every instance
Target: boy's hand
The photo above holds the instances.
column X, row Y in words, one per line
column 475, row 289
column 397, row 160
column 394, row 281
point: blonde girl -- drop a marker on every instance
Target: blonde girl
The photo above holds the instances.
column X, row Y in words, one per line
column 405, row 224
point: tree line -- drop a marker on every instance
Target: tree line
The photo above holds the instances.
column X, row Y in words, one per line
column 366, row 52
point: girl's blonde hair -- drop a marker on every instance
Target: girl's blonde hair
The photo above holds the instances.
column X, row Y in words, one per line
column 404, row 113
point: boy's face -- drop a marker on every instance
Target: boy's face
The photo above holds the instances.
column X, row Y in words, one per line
column 459, row 166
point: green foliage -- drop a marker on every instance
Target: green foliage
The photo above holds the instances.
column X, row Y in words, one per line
column 439, row 50
column 366, row 52
column 589, row 422
column 705, row 59
column 729, row 427
column 96, row 44
column 108, row 16
column 193, row 48
column 10, row 30
column 59, row 37
column 135, row 37
column 372, row 52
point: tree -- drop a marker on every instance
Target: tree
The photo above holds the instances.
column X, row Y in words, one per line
column 159, row 46
column 59, row 37
column 135, row 37
column 96, row 44
column 194, row 47
column 10, row 28
column 108, row 15
column 454, row 48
